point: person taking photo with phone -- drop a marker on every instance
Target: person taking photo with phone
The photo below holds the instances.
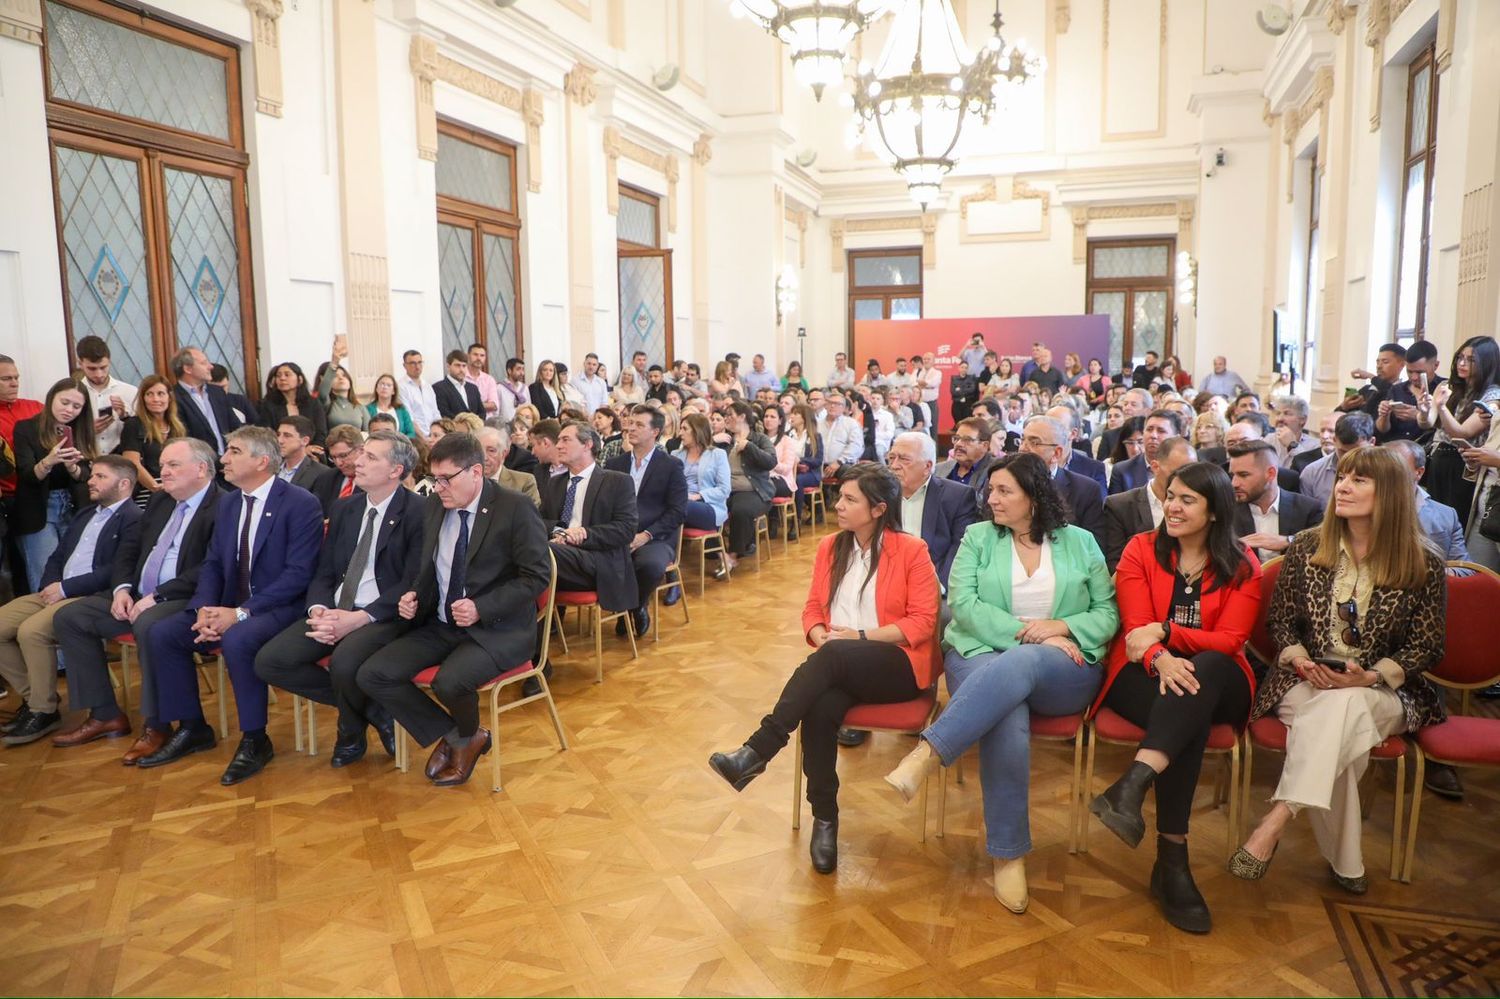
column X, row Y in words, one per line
column 53, row 451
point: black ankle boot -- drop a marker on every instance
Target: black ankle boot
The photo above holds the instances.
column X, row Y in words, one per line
column 1174, row 890
column 1119, row 807
column 824, row 847
column 739, row 767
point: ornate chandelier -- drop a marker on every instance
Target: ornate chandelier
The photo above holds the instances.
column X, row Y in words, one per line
column 818, row 32
column 927, row 83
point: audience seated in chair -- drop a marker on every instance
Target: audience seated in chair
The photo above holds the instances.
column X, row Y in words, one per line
column 1140, row 509
column 661, row 497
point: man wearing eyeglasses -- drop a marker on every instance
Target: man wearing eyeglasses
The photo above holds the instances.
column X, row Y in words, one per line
column 343, row 446
column 971, row 454
column 483, row 563
column 1048, row 440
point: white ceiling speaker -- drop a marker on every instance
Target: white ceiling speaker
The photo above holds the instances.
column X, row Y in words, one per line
column 666, row 78
column 1274, row 20
column 807, row 157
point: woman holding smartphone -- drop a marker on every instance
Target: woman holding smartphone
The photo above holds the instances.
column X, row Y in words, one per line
column 1460, row 413
column 53, row 451
column 1358, row 617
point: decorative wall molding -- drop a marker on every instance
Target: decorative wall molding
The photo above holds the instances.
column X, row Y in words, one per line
column 1105, row 135
column 1447, row 14
column 533, row 112
column 1338, row 16
column 580, row 86
column 1377, row 26
column 1082, row 215
column 1316, row 104
column 21, row 20
column 703, row 149
column 617, row 145
column 477, row 83
column 423, row 59
column 266, row 15
column 926, row 224
column 995, row 190
column 799, row 217
column 428, row 65
column 1475, row 299
column 1062, row 15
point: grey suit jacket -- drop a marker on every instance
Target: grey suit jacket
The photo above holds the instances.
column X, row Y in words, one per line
column 978, row 477
column 1125, row 515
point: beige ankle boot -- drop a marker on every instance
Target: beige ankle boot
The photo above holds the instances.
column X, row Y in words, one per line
column 913, row 770
column 1010, row 884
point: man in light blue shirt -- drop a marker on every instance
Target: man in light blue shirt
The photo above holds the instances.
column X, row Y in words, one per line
column 1223, row 381
column 1440, row 522
column 758, row 377
column 1351, row 431
column 594, row 388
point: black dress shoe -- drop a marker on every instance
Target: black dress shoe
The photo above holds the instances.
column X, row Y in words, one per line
column 533, row 686
column 619, row 627
column 184, row 742
column 1119, row 807
column 348, row 749
column 739, row 767
column 1442, row 780
column 17, row 721
column 642, row 622
column 852, row 736
column 1490, row 693
column 35, row 725
column 254, row 752
column 385, row 726
column 824, row 847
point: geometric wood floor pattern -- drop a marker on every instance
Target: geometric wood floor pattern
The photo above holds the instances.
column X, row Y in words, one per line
column 625, row 866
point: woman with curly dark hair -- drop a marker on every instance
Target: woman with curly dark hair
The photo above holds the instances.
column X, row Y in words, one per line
column 1189, row 594
column 1033, row 612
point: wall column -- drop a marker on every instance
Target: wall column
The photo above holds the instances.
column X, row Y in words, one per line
column 580, row 91
column 698, row 180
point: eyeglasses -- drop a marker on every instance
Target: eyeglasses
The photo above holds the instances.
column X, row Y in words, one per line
column 445, row 481
column 1133, row 442
column 965, row 440
column 1348, row 612
column 1037, row 442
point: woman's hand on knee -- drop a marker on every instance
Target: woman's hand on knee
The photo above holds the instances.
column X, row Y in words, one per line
column 1176, row 674
column 1068, row 646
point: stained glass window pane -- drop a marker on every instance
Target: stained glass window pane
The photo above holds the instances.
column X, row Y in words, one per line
column 456, row 285
column 1149, row 325
column 473, row 173
column 500, row 298
column 1112, row 304
column 109, row 66
column 205, row 269
column 1130, row 261
column 905, row 269
column 105, row 258
column 637, row 221
column 643, row 308
column 1420, row 99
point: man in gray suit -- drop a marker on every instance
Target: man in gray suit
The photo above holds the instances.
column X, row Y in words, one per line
column 298, row 467
column 1140, row 509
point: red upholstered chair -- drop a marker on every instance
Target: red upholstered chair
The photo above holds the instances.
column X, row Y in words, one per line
column 546, row 607
column 588, row 601
column 1223, row 740
column 126, row 642
column 786, row 509
column 901, row 718
column 1471, row 660
column 1260, row 642
column 671, row 576
column 1270, row 734
column 708, row 542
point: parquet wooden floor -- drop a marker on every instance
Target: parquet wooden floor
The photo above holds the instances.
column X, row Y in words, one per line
column 624, row 866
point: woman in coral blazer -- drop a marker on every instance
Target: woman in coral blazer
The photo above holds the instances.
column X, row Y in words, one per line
column 1189, row 594
column 871, row 618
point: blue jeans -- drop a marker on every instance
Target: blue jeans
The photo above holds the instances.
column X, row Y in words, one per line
column 991, row 697
column 700, row 516
column 38, row 548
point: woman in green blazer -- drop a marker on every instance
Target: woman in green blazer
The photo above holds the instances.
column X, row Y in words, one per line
column 1033, row 614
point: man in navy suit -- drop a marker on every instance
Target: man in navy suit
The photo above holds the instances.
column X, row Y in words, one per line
column 262, row 555
column 939, row 509
column 202, row 406
column 154, row 575
column 1048, row 440
column 1077, row 459
column 660, row 504
column 369, row 560
column 456, row 394
column 78, row 567
column 1160, row 424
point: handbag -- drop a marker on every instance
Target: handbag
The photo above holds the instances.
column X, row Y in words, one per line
column 1489, row 524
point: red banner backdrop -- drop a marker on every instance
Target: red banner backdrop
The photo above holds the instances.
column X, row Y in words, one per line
column 884, row 340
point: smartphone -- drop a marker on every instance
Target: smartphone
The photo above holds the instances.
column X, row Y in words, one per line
column 341, row 341
column 1332, row 662
column 1422, row 380
column 66, row 433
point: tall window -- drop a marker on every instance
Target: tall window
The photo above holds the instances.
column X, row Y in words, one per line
column 885, row 284
column 645, row 275
column 479, row 243
column 1416, row 197
column 148, row 163
column 1130, row 280
column 1310, row 311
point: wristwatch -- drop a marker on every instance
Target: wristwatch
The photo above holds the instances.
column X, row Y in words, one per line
column 861, row 634
column 240, row 614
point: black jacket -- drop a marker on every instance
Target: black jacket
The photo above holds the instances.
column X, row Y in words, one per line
column 130, row 560
column 758, row 458
column 1085, row 500
column 1125, row 515
column 193, row 419
column 542, row 402
column 29, row 511
column 314, row 476
column 609, row 513
column 122, row 524
column 450, row 404
column 398, row 546
column 661, row 502
column 273, row 411
column 1294, row 513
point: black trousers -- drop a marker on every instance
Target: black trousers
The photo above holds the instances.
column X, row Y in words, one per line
column 465, row 666
column 819, row 693
column 290, row 661
column 744, row 506
column 82, row 628
column 651, row 560
column 1177, row 725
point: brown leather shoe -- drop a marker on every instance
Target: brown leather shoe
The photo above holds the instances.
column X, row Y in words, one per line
column 93, row 729
column 149, row 741
column 438, row 761
column 461, row 768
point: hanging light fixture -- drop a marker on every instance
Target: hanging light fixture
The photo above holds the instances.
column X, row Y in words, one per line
column 818, row 32
column 926, row 84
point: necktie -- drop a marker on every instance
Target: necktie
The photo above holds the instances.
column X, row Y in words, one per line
column 567, row 510
column 460, row 567
column 244, row 568
column 151, row 574
column 347, row 490
column 357, row 564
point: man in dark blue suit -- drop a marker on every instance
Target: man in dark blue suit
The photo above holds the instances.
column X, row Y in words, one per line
column 660, row 504
column 202, row 406
column 1077, row 458
column 1160, row 424
column 369, row 559
column 80, row 566
column 1048, row 440
column 939, row 509
column 260, row 560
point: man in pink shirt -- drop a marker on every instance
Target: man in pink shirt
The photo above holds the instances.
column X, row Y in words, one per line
column 482, row 379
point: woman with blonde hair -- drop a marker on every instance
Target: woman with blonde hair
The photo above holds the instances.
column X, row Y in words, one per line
column 144, row 435
column 1358, row 617
column 669, row 437
column 626, row 391
column 725, row 380
column 468, row 423
column 546, row 393
column 1208, row 431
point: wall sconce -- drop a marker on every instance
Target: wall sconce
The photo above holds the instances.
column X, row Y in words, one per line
column 1187, row 281
column 786, row 292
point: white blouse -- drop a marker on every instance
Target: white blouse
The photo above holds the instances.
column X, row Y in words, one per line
column 852, row 608
column 1031, row 596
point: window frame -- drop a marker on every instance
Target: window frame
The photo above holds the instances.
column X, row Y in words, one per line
column 1426, row 59
column 884, row 293
column 654, row 200
column 1131, row 286
column 1310, row 300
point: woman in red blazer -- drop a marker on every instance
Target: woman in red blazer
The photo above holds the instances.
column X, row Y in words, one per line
column 871, row 618
column 1189, row 594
